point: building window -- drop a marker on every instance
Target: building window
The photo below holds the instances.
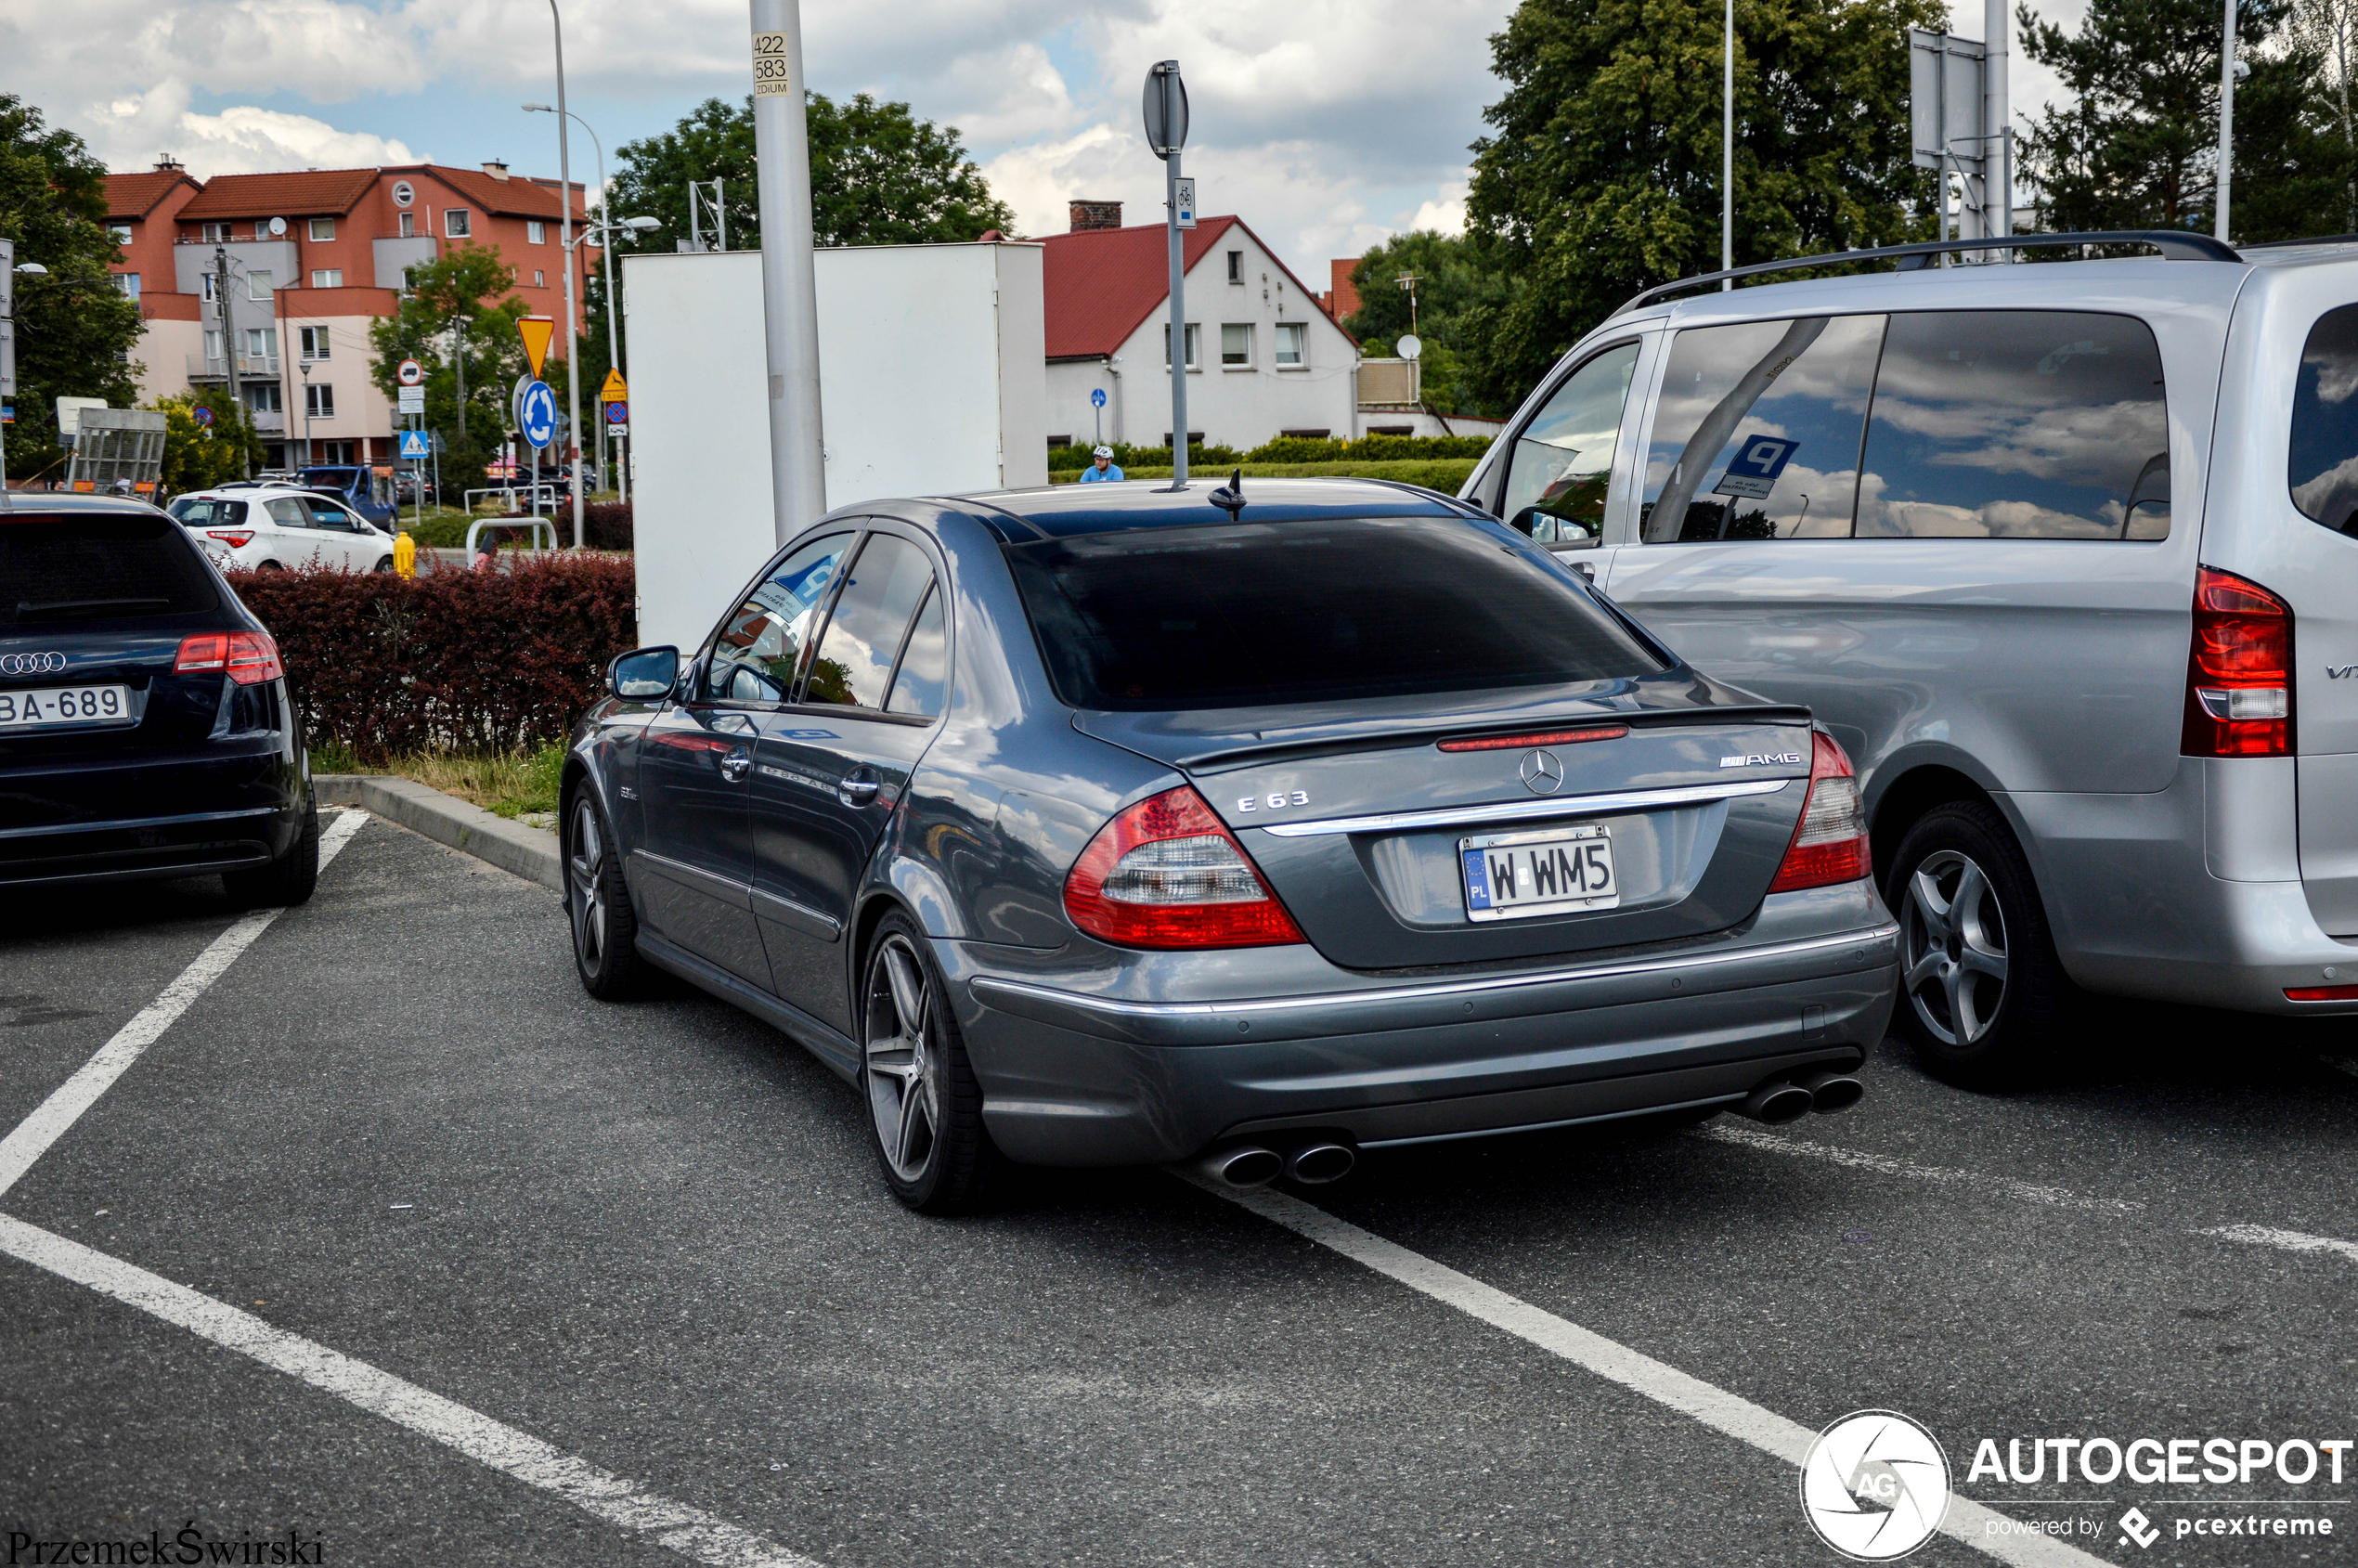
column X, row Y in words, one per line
column 314, row 342
column 323, row 228
column 327, row 277
column 402, row 193
column 264, row 397
column 128, row 283
column 204, row 281
column 408, row 225
column 455, row 223
column 216, row 233
column 1235, row 266
column 213, row 346
column 535, row 232
column 1195, row 345
column 319, row 402
column 258, row 343
column 1293, row 344
column 540, row 278
column 258, row 285
column 121, row 232
column 1236, row 343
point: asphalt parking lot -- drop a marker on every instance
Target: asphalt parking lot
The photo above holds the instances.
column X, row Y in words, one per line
column 395, row 1246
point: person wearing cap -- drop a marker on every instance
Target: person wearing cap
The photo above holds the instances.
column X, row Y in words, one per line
column 1102, row 471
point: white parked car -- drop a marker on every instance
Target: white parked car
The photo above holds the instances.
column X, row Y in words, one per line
column 272, row 526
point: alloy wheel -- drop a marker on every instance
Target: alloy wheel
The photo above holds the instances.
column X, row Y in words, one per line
column 903, row 1069
column 1953, row 947
column 587, row 868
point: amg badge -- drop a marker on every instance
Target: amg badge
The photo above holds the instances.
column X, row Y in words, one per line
column 1790, row 758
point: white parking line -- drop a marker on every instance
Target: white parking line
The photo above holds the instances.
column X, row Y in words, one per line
column 2342, row 1063
column 2290, row 1240
column 1968, row 1522
column 49, row 1120
column 690, row 1532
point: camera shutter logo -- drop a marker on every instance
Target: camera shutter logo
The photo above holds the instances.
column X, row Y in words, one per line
column 1875, row 1485
column 31, row 664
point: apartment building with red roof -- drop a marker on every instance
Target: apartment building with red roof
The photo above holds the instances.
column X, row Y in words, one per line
column 313, row 257
column 1263, row 359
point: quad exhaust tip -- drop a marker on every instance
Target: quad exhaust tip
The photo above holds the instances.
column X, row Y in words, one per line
column 1317, row 1163
column 1830, row 1091
column 1242, row 1165
column 1777, row 1103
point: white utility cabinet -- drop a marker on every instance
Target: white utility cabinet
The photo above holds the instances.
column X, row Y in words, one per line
column 933, row 380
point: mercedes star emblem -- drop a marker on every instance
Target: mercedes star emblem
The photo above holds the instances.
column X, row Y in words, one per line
column 1541, row 773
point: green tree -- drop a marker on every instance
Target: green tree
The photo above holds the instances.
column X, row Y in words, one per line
column 75, row 329
column 460, row 309
column 198, row 456
column 2137, row 145
column 1454, row 284
column 1601, row 175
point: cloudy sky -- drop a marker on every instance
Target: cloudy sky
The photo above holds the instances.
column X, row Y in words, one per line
column 1328, row 123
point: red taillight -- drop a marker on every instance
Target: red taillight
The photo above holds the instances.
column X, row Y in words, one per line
column 1166, row 873
column 1830, row 842
column 2239, row 675
column 1545, row 737
column 248, row 657
column 236, row 538
column 2321, row 993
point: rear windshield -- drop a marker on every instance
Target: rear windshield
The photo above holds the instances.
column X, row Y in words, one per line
column 1253, row 614
column 2324, row 422
column 99, row 568
column 198, row 511
column 329, row 478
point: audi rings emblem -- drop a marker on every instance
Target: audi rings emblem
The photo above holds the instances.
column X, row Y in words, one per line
column 31, row 664
column 1542, row 774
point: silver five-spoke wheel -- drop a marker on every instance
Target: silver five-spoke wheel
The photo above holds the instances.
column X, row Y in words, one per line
column 587, row 868
column 903, row 1069
column 1954, row 948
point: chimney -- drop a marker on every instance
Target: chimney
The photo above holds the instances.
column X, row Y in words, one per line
column 495, row 169
column 1095, row 214
column 168, row 164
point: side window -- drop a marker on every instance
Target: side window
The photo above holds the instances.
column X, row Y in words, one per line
column 2324, row 422
column 921, row 683
column 2025, row 424
column 1559, row 472
column 754, row 653
column 863, row 637
column 288, row 513
column 328, row 515
column 1755, row 435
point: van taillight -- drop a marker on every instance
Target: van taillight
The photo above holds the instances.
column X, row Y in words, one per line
column 248, row 657
column 1168, row 874
column 1830, row 842
column 2239, row 674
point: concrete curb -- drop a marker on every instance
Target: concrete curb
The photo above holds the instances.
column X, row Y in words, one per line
column 528, row 852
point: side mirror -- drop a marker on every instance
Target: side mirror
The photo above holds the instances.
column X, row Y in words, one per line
column 643, row 674
column 1546, row 527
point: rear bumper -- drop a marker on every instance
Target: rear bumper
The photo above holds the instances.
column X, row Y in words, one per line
column 232, row 813
column 1075, row 1077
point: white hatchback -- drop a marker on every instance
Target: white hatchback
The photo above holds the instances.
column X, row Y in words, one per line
column 272, row 526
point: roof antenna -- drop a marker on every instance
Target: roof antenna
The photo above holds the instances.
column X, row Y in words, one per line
column 1230, row 495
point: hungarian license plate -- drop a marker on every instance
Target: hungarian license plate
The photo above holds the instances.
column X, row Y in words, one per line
column 48, row 708
column 1557, row 871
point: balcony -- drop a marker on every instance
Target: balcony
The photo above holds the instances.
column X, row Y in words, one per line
column 267, row 421
column 202, row 367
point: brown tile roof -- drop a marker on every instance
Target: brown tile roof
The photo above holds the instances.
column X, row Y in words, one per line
column 514, row 197
column 1101, row 283
column 312, row 193
column 136, row 195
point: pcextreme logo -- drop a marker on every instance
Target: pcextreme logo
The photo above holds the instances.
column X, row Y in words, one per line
column 1875, row 1485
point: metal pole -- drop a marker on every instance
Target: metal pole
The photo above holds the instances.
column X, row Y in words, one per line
column 1728, row 150
column 460, row 359
column 789, row 288
column 1996, row 128
column 2226, row 120
column 229, row 352
column 1178, row 317
column 573, row 324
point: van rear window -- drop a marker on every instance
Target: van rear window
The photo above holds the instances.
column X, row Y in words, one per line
column 99, row 568
column 1268, row 614
column 2324, row 467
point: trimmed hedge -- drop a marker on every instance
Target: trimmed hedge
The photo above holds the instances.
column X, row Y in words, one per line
column 1284, row 449
column 1447, row 475
column 605, row 524
column 464, row 661
column 1074, row 458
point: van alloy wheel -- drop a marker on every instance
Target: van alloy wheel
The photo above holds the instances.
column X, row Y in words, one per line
column 903, row 1069
column 1953, row 948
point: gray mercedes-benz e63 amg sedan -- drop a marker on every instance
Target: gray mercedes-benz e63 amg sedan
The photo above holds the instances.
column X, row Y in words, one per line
column 1254, row 827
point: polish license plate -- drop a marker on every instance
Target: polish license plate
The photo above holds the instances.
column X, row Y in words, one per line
column 48, row 708
column 1557, row 871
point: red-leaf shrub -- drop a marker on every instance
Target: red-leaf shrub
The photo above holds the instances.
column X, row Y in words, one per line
column 476, row 661
column 605, row 524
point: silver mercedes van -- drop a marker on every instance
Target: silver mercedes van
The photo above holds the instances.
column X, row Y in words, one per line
column 2064, row 555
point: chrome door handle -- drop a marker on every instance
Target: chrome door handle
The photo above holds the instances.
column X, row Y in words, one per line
column 735, row 766
column 858, row 787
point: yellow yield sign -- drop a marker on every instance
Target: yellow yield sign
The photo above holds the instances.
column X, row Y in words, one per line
column 615, row 390
column 537, row 330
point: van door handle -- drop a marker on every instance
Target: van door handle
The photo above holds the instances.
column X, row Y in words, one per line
column 735, row 766
column 858, row 787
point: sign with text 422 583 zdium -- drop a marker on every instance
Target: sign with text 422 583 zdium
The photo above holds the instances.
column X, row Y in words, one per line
column 770, row 77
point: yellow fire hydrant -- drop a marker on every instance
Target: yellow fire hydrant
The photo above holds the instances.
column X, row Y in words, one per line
column 404, row 554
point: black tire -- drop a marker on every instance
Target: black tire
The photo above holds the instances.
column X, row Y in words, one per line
column 604, row 927
column 924, row 1103
column 384, row 563
column 287, row 881
column 270, row 567
column 1983, row 996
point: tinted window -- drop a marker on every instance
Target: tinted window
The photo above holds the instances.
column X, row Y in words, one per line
column 923, row 680
column 2324, row 422
column 1270, row 612
column 757, row 650
column 1561, row 466
column 99, row 568
column 204, row 512
column 2018, row 424
column 288, row 513
column 328, row 515
column 870, row 614
column 1755, row 435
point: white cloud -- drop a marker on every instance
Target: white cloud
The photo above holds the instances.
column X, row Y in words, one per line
column 1444, row 211
column 235, row 141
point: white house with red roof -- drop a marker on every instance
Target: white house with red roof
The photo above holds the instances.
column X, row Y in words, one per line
column 1263, row 358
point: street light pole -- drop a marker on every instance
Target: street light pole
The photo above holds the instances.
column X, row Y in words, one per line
column 789, row 282
column 573, row 327
column 1728, row 150
column 2226, row 121
column 605, row 250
